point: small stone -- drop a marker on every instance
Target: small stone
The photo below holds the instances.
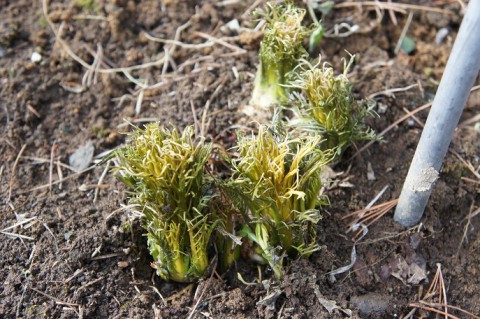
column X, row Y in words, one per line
column 82, row 157
column 68, row 234
column 36, row 57
column 232, row 26
column 370, row 172
column 372, row 303
column 382, row 108
column 441, row 35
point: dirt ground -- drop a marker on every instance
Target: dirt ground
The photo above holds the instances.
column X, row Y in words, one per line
column 66, row 250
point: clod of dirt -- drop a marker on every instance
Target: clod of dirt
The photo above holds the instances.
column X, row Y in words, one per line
column 8, row 33
column 82, row 157
column 371, row 303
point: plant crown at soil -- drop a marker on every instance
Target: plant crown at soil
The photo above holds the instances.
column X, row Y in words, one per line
column 165, row 172
column 272, row 196
column 280, row 50
column 323, row 104
column 276, row 185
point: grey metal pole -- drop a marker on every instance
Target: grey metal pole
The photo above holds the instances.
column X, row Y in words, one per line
column 460, row 73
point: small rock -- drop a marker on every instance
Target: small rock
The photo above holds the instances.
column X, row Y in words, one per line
column 232, row 26
column 370, row 172
column 36, row 57
column 67, row 235
column 82, row 157
column 2, row 52
column 382, row 108
column 372, row 303
column 441, row 35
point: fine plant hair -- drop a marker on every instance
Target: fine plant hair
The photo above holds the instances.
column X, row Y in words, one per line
column 271, row 191
column 280, row 50
column 164, row 170
column 323, row 104
column 276, row 185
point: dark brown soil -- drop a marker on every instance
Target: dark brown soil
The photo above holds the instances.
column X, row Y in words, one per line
column 73, row 257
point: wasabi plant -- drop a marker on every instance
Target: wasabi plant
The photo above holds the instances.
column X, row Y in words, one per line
column 280, row 51
column 164, row 170
column 227, row 242
column 276, row 185
column 324, row 105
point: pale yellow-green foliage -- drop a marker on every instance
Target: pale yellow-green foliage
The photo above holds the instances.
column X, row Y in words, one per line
column 280, row 50
column 165, row 171
column 276, row 184
column 324, row 104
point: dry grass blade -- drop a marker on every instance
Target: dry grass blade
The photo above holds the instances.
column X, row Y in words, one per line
column 390, row 127
column 470, row 180
column 437, row 305
column 390, row 92
column 59, row 181
column 466, row 163
column 370, row 215
column 393, row 6
column 14, row 170
column 404, row 33
column 50, row 170
column 473, row 214
column 438, row 294
column 20, row 223
column 17, row 235
column 438, row 311
column 400, row 120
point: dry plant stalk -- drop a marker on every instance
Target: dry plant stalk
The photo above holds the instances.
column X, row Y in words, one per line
column 435, row 299
column 368, row 216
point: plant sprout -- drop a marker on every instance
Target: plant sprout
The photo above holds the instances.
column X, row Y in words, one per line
column 165, row 172
column 227, row 242
column 280, row 51
column 326, row 106
column 276, row 184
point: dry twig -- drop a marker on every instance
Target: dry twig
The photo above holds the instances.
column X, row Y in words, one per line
column 435, row 299
column 14, row 170
column 393, row 6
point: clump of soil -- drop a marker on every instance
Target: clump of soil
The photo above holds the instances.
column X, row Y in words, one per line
column 68, row 252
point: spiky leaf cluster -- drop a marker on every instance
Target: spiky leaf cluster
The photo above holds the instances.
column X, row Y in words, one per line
column 281, row 48
column 165, row 171
column 325, row 105
column 276, row 184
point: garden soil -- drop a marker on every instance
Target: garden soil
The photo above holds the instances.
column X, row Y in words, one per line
column 67, row 251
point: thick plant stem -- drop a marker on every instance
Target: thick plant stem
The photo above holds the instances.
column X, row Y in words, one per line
column 460, row 73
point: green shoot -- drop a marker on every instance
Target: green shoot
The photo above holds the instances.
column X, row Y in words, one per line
column 280, row 51
column 326, row 106
column 276, row 185
column 227, row 242
column 165, row 172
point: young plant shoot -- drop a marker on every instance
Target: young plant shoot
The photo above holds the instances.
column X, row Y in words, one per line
column 325, row 105
column 276, row 184
column 280, row 51
column 165, row 172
